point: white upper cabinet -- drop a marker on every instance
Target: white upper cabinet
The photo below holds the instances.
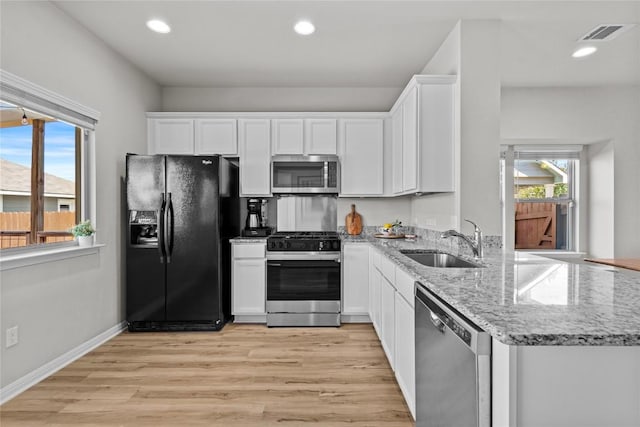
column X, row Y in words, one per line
column 361, row 156
column 309, row 136
column 216, row 136
column 170, row 136
column 321, row 136
column 255, row 157
column 423, row 136
column 287, row 136
column 436, row 133
column 396, row 151
column 410, row 141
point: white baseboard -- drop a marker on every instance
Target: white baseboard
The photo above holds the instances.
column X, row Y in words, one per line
column 355, row 318
column 10, row 391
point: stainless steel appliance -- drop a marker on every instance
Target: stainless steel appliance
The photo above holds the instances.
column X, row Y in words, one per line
column 453, row 366
column 305, row 174
column 303, row 279
column 181, row 211
column 255, row 225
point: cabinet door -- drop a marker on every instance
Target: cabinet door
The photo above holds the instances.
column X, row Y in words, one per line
column 361, row 157
column 410, row 141
column 355, row 279
column 170, row 136
column 287, row 136
column 320, row 136
column 255, row 157
column 405, row 351
column 375, row 281
column 249, row 286
column 216, row 136
column 387, row 319
column 396, row 152
column 437, row 135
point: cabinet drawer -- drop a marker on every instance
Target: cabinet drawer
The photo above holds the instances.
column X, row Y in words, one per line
column 388, row 269
column 404, row 285
column 249, row 251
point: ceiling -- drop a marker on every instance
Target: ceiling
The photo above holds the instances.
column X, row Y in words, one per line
column 358, row 43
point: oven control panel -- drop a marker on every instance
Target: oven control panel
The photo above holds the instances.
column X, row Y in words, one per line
column 302, row 245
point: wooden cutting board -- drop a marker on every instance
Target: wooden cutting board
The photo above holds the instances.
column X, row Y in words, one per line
column 630, row 263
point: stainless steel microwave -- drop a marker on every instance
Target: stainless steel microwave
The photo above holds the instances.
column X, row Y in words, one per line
column 305, row 174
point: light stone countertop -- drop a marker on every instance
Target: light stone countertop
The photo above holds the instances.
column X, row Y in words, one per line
column 523, row 299
column 248, row 240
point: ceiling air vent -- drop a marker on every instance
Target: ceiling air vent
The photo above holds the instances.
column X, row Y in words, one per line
column 606, row 32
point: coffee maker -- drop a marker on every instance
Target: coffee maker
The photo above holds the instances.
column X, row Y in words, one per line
column 255, row 225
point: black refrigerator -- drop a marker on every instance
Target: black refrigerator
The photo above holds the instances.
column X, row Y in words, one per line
column 181, row 212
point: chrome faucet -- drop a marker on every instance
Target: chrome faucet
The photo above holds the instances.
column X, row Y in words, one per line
column 476, row 243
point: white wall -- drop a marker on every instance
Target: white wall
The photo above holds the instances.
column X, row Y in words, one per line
column 601, row 202
column 279, row 98
column 472, row 52
column 58, row 306
column 590, row 114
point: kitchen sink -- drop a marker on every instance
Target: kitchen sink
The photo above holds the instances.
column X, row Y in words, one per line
column 435, row 258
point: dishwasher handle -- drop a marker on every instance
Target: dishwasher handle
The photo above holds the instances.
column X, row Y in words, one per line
column 437, row 322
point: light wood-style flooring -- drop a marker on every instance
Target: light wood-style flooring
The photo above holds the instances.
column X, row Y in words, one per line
column 245, row 375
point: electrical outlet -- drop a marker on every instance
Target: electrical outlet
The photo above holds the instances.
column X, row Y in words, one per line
column 12, row 336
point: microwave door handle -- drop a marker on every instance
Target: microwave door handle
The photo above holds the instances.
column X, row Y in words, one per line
column 326, row 174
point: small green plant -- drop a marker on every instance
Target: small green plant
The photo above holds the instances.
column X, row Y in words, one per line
column 83, row 229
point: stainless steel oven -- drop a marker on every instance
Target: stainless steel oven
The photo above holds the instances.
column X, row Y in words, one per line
column 303, row 286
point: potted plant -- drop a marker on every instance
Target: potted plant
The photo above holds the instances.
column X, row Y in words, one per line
column 83, row 232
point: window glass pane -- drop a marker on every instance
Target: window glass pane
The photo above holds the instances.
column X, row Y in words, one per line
column 541, row 179
column 16, row 187
column 15, row 179
column 59, row 181
column 542, row 192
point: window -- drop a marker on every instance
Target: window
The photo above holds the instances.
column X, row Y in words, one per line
column 540, row 197
column 46, row 171
column 38, row 156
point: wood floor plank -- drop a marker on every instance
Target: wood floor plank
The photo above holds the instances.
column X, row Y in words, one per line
column 244, row 375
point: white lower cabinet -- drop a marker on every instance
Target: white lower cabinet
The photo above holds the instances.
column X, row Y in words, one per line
column 355, row 279
column 405, row 350
column 387, row 305
column 248, row 282
column 375, row 283
column 393, row 316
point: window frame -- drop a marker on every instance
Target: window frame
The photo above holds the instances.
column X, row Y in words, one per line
column 509, row 153
column 21, row 92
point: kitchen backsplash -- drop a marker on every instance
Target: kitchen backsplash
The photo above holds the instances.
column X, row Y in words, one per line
column 432, row 239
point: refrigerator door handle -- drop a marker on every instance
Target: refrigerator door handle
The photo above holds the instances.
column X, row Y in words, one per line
column 161, row 236
column 170, row 223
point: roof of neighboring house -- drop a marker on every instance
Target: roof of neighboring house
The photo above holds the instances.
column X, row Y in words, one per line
column 541, row 170
column 17, row 178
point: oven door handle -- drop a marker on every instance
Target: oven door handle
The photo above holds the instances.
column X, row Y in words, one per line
column 273, row 264
column 292, row 256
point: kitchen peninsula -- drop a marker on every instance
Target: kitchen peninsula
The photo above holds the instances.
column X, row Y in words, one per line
column 565, row 337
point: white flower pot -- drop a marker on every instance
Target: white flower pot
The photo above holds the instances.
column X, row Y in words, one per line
column 85, row 240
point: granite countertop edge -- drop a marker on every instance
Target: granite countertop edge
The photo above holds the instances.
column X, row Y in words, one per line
column 240, row 239
column 488, row 315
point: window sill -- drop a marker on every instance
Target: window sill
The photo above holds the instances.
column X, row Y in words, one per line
column 41, row 256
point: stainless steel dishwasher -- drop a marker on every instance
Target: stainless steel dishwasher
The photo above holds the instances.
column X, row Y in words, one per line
column 453, row 366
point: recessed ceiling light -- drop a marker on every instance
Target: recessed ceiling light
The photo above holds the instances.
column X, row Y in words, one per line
column 581, row 52
column 304, row 28
column 158, row 26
